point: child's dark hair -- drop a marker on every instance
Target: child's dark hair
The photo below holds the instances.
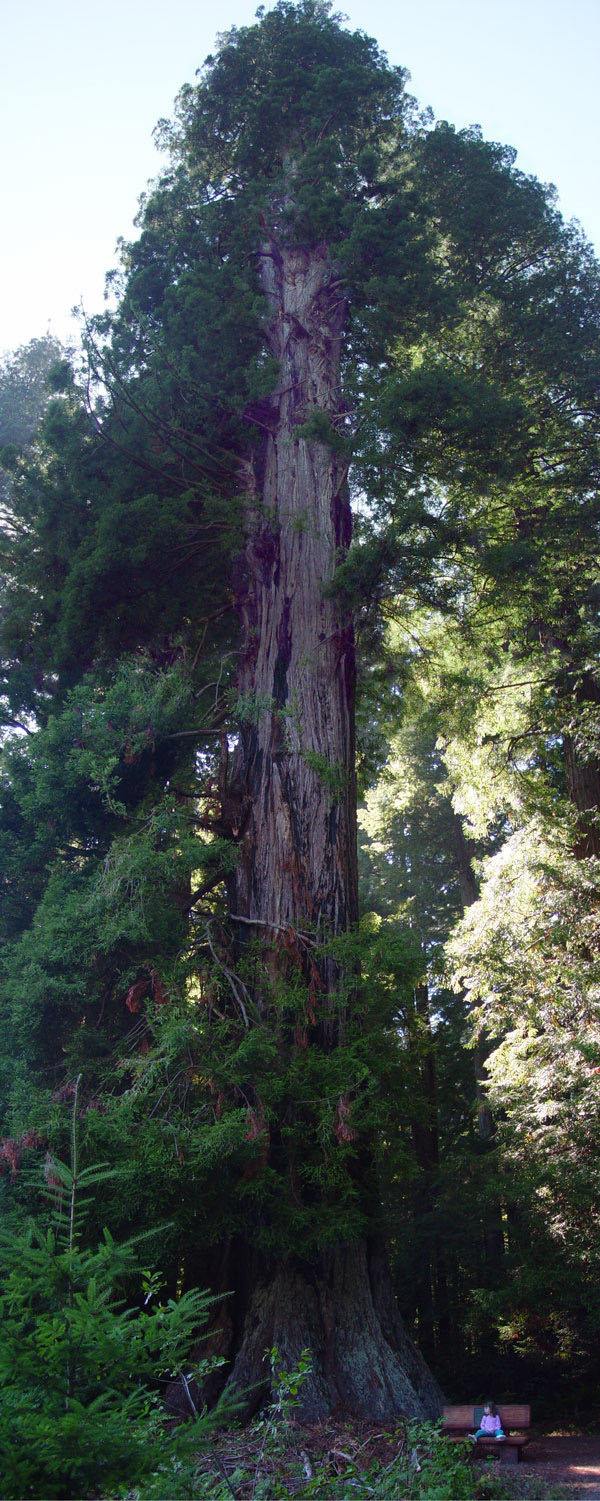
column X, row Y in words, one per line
column 492, row 1407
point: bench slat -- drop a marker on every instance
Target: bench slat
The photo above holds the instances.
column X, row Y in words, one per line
column 458, row 1417
column 513, row 1440
column 513, row 1414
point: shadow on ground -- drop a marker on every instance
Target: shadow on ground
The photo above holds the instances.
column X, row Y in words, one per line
column 568, row 1467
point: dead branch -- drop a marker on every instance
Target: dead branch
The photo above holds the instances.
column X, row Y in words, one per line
column 235, row 984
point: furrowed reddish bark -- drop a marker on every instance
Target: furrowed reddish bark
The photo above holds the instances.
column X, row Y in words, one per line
column 293, row 782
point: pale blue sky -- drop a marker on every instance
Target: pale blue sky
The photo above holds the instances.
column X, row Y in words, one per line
column 83, row 85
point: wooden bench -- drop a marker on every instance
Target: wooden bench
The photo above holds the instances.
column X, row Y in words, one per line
column 458, row 1422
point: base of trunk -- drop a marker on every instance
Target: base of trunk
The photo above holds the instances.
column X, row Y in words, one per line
column 344, row 1315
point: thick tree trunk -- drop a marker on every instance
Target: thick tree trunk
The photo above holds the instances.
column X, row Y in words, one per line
column 343, row 1313
column 295, row 765
column 293, row 784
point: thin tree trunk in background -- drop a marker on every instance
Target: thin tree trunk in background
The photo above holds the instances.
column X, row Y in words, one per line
column 424, row 1130
column 467, row 880
column 583, row 786
column 431, row 1296
column 491, row 1209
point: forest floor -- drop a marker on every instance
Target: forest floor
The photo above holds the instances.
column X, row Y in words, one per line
column 353, row 1460
column 556, row 1466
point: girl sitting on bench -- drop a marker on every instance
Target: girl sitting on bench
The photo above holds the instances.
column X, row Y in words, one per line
column 490, row 1426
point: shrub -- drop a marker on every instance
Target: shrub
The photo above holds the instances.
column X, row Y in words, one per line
column 79, row 1369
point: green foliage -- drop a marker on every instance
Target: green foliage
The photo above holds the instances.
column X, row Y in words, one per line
column 319, row 428
column 275, row 1461
column 80, row 1368
column 266, row 99
column 27, row 377
column 244, row 1089
column 332, row 776
column 471, row 832
column 442, row 1469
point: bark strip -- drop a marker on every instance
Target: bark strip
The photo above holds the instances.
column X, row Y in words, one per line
column 295, row 762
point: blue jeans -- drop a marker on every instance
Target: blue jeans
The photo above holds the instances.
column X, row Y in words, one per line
column 483, row 1433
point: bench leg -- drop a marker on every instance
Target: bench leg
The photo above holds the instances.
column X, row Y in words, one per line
column 509, row 1456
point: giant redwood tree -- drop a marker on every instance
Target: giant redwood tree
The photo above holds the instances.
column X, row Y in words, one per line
column 323, row 302
column 292, row 786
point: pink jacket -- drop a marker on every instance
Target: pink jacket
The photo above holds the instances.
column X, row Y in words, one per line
column 490, row 1423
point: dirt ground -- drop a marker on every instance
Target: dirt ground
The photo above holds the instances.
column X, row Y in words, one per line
column 564, row 1467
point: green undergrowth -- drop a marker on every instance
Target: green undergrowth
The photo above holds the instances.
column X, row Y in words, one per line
column 337, row 1462
column 278, row 1458
column 87, row 1345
